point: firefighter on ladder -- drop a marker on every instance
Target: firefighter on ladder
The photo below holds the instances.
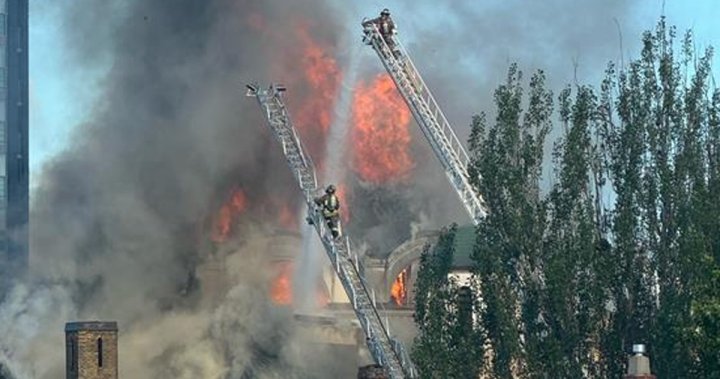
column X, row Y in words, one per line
column 386, row 26
column 330, row 208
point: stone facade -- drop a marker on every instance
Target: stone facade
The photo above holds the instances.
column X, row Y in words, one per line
column 91, row 350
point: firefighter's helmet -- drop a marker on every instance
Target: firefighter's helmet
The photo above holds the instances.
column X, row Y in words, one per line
column 330, row 189
column 385, row 12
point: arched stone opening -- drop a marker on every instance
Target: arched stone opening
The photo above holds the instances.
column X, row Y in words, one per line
column 402, row 266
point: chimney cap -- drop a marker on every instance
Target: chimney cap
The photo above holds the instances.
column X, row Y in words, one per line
column 109, row 326
column 638, row 348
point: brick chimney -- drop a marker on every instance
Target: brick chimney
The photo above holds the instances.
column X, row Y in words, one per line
column 91, row 350
column 639, row 364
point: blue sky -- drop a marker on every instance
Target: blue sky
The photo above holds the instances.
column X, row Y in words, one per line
column 62, row 96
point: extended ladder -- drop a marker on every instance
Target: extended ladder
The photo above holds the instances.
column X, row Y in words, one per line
column 387, row 351
column 429, row 116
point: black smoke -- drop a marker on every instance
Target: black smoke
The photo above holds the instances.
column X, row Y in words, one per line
column 114, row 221
column 117, row 218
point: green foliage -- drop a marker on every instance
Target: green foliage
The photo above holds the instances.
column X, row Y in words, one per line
column 509, row 241
column 625, row 247
column 665, row 220
column 575, row 299
column 448, row 344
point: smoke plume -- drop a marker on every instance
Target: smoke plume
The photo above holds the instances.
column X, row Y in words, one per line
column 122, row 220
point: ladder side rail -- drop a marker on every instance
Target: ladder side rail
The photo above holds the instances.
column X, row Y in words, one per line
column 336, row 257
column 380, row 343
column 380, row 43
column 303, row 157
column 365, row 286
column 375, row 343
column 374, row 314
column 417, row 113
column 425, row 121
column 353, row 292
column 306, row 158
column 373, row 308
column 282, row 118
column 405, row 361
column 449, row 149
column 457, row 176
column 459, row 148
column 334, row 251
column 405, row 356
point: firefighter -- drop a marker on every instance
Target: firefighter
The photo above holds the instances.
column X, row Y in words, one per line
column 386, row 26
column 330, row 208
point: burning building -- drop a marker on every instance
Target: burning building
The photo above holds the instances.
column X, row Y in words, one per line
column 174, row 210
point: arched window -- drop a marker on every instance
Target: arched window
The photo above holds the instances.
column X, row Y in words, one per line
column 99, row 352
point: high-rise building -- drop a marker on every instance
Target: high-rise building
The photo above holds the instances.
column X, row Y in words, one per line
column 14, row 204
column 91, row 350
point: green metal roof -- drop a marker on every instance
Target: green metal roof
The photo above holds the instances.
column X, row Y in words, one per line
column 464, row 243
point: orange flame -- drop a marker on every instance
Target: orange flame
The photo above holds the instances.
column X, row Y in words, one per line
column 288, row 219
column 344, row 208
column 315, row 86
column 381, row 134
column 281, row 288
column 322, row 76
column 398, row 292
column 225, row 217
column 322, row 298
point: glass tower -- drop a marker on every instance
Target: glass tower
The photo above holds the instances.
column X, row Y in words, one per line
column 13, row 136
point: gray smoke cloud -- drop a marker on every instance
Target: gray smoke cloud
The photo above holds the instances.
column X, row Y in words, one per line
column 571, row 41
column 463, row 50
column 119, row 220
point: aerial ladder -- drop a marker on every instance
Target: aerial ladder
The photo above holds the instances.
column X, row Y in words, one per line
column 386, row 350
column 429, row 116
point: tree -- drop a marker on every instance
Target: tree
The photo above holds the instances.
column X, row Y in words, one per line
column 574, row 300
column 506, row 167
column 624, row 249
column 448, row 344
column 431, row 350
column 662, row 164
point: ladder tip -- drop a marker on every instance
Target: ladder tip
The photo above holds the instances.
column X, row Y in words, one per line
column 252, row 89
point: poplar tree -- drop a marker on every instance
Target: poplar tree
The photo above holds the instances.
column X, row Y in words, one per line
column 506, row 169
column 624, row 249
